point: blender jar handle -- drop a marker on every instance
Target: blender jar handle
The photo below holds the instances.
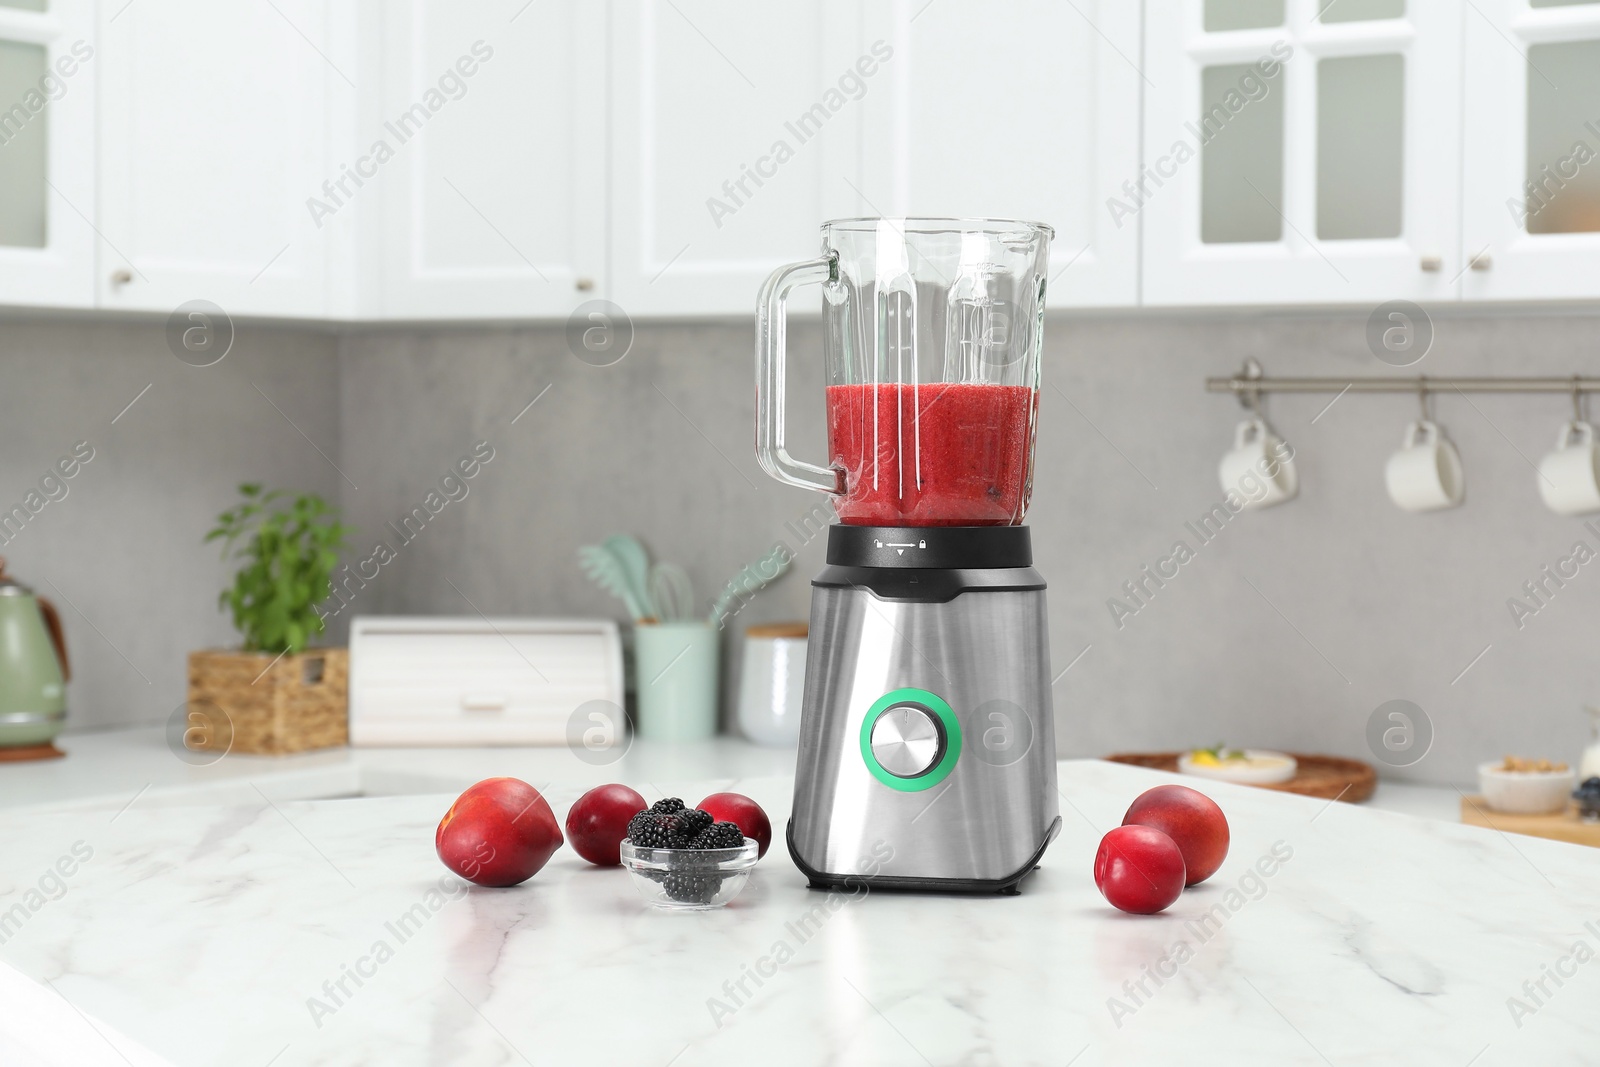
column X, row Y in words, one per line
column 772, row 377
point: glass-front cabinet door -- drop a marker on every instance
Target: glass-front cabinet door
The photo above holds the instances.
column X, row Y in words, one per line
column 1298, row 151
column 1531, row 180
column 47, row 107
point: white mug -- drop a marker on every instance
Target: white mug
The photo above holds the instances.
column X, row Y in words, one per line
column 1425, row 475
column 1259, row 467
column 1568, row 479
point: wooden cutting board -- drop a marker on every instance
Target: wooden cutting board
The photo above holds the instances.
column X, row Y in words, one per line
column 30, row 752
column 1560, row 826
column 1328, row 777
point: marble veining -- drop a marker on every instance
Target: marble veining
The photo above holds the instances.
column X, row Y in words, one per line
column 325, row 932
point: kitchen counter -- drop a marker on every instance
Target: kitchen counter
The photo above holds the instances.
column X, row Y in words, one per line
column 211, row 934
column 120, row 767
column 114, row 767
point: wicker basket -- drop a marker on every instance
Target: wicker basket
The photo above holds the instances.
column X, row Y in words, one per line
column 246, row 702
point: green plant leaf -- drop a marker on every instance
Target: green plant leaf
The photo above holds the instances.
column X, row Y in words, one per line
column 287, row 545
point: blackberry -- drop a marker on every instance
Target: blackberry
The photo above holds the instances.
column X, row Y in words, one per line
column 637, row 823
column 646, row 830
column 693, row 886
column 690, row 823
column 667, row 806
column 719, row 835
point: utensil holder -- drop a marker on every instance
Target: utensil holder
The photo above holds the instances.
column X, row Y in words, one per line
column 676, row 665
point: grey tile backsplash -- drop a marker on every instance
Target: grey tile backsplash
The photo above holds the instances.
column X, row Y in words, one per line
column 1284, row 628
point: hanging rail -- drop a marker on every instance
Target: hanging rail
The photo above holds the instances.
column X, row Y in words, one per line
column 1240, row 385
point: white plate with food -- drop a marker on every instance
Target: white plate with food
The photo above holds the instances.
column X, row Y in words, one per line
column 1246, row 766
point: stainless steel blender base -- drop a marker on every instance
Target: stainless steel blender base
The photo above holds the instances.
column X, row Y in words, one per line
column 1008, row 884
column 876, row 802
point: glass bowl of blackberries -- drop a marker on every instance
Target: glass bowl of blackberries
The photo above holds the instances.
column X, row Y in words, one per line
column 1588, row 797
column 682, row 858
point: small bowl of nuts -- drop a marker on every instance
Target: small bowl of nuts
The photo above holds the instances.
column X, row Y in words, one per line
column 1517, row 786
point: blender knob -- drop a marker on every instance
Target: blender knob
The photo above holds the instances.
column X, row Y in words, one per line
column 907, row 740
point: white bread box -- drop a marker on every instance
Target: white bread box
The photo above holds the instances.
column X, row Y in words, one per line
column 429, row 680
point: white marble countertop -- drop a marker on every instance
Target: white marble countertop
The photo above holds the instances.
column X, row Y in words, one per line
column 199, row 934
column 112, row 767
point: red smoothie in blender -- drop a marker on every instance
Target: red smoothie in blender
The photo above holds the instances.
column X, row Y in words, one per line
column 941, row 454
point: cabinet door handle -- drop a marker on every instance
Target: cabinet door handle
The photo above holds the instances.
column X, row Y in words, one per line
column 584, row 284
column 1432, row 262
column 121, row 276
column 1482, row 261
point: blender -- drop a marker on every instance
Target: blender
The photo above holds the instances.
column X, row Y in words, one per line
column 927, row 745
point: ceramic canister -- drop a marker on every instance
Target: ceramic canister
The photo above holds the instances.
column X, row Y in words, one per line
column 772, row 683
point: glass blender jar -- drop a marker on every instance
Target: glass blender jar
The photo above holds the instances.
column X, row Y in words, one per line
column 928, row 663
column 932, row 341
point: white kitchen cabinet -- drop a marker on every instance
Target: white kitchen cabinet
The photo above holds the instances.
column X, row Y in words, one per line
column 418, row 160
column 735, row 135
column 1531, row 180
column 1297, row 151
column 494, row 198
column 48, row 67
column 217, row 135
column 1026, row 109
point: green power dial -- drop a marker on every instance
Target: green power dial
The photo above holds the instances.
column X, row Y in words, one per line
column 910, row 739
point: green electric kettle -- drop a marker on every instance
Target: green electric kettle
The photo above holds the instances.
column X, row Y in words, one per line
column 33, row 669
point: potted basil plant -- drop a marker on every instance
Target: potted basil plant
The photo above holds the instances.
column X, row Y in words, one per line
column 275, row 693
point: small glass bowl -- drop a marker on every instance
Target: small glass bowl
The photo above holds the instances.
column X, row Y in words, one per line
column 688, row 878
